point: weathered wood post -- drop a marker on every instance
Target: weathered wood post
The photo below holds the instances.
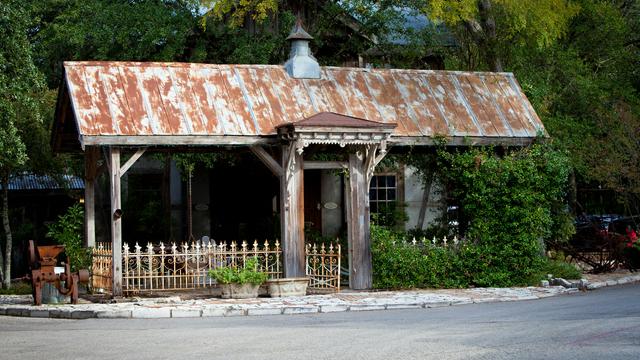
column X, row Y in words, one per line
column 90, row 174
column 360, row 268
column 116, row 219
column 292, row 210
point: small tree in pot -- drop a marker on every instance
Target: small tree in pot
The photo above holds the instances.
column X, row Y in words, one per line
column 239, row 282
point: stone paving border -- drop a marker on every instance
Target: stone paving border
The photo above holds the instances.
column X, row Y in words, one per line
column 174, row 307
column 621, row 281
column 313, row 304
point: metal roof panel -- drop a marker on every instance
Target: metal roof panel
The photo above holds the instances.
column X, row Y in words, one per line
column 112, row 99
column 27, row 181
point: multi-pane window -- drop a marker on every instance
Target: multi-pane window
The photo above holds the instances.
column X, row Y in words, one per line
column 383, row 194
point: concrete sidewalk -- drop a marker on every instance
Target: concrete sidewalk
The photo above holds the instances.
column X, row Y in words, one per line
column 176, row 306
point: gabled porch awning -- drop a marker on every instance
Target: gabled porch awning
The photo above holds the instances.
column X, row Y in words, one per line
column 337, row 129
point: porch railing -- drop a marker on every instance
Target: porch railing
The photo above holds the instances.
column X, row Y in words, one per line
column 179, row 267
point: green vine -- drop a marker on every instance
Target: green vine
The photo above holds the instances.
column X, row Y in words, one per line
column 67, row 230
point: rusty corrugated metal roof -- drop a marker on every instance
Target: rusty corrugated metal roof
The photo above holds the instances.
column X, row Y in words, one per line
column 138, row 103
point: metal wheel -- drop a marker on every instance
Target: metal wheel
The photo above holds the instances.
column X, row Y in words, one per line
column 33, row 259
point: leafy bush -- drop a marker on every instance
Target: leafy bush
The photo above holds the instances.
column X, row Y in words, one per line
column 67, row 230
column 247, row 274
column 398, row 264
column 558, row 269
column 509, row 206
column 631, row 255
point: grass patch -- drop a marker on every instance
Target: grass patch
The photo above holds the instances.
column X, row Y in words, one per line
column 19, row 288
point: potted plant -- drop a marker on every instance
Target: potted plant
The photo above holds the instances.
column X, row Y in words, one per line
column 239, row 282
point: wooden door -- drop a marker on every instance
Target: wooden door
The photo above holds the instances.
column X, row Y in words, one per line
column 312, row 207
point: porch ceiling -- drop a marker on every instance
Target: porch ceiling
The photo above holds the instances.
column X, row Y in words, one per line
column 129, row 103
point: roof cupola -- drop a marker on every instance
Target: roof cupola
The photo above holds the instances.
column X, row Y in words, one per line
column 301, row 64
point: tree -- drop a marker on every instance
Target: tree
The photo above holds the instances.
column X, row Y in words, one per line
column 492, row 27
column 108, row 30
column 342, row 30
column 238, row 11
column 578, row 62
column 20, row 83
column 586, row 90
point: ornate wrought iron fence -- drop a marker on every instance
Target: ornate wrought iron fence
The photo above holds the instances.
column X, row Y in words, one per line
column 181, row 267
column 176, row 267
column 323, row 268
column 101, row 268
column 444, row 242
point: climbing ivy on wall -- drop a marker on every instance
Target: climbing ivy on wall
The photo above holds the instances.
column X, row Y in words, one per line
column 511, row 205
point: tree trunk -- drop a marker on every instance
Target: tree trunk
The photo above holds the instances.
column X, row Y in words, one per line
column 573, row 194
column 490, row 46
column 6, row 281
column 1, row 267
column 483, row 33
column 425, row 200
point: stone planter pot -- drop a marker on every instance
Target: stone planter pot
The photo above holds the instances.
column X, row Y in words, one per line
column 239, row 291
column 288, row 286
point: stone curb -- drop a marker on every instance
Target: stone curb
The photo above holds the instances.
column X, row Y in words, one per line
column 305, row 305
column 621, row 281
column 142, row 312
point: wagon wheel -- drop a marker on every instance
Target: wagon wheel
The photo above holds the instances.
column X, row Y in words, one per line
column 33, row 257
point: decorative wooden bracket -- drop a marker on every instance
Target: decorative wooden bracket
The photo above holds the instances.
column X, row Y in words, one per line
column 373, row 155
column 295, row 147
column 132, row 160
column 106, row 166
column 267, row 160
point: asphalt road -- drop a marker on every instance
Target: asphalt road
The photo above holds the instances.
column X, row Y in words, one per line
column 602, row 324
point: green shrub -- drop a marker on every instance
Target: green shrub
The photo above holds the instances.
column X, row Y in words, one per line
column 398, row 264
column 247, row 274
column 67, row 231
column 510, row 205
column 631, row 255
column 558, row 269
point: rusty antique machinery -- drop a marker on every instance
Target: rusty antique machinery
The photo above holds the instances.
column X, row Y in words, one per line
column 42, row 261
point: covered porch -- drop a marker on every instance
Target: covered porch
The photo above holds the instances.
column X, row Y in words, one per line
column 283, row 155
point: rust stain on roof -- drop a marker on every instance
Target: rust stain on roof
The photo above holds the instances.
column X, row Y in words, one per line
column 116, row 99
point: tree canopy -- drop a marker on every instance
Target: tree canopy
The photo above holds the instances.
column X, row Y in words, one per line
column 20, row 105
column 577, row 60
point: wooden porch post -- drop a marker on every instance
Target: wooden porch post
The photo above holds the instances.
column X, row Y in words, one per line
column 292, row 210
column 360, row 269
column 90, row 173
column 116, row 220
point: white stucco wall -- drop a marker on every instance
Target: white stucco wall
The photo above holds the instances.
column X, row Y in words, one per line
column 413, row 197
